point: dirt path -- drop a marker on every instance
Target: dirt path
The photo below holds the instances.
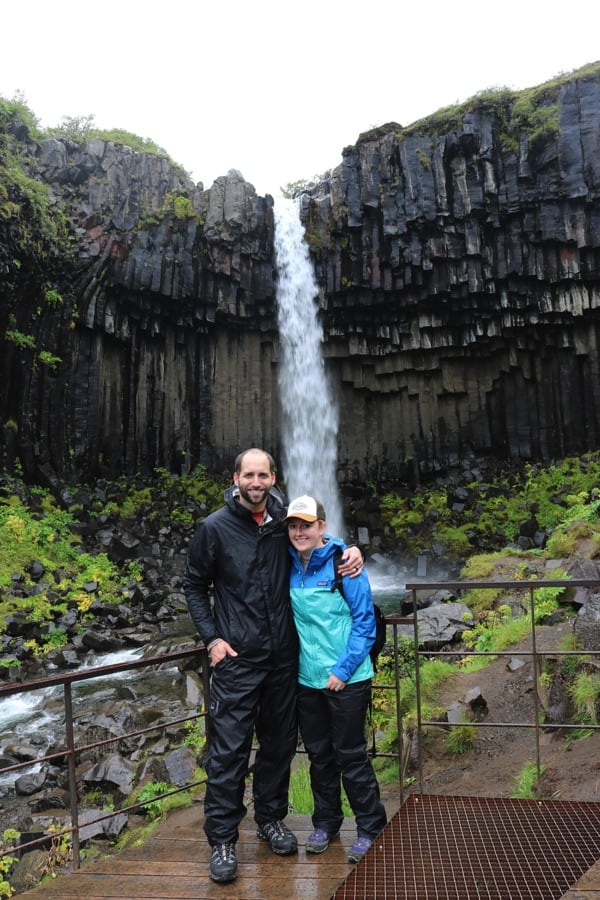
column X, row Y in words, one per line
column 491, row 767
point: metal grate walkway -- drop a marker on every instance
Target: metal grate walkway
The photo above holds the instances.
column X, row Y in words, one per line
column 470, row 847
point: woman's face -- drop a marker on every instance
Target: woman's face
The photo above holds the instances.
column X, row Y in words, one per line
column 305, row 536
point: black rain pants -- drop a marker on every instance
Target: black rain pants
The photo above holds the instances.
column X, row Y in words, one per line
column 332, row 726
column 244, row 700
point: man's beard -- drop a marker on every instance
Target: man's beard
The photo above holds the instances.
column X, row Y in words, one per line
column 251, row 499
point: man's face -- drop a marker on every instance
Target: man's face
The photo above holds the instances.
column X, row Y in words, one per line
column 254, row 481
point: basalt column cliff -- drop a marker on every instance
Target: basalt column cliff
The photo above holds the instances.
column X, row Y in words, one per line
column 458, row 264
column 460, row 273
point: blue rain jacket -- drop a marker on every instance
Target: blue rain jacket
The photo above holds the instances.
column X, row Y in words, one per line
column 336, row 632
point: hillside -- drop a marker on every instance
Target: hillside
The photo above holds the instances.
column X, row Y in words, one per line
column 491, row 768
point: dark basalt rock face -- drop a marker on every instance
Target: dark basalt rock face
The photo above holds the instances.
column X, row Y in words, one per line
column 461, row 288
column 460, row 293
column 160, row 331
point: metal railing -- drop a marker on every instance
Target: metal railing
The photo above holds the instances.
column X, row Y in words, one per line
column 71, row 751
column 461, row 587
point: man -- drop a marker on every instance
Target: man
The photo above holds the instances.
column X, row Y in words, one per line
column 241, row 553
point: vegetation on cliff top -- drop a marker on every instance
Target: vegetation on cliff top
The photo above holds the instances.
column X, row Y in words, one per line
column 532, row 112
column 35, row 228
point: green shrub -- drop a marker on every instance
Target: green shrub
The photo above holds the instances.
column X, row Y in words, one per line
column 196, row 735
column 560, row 497
column 300, row 794
column 460, row 739
column 585, row 695
column 153, row 808
column 546, row 599
column 526, row 782
column 497, row 631
column 46, row 534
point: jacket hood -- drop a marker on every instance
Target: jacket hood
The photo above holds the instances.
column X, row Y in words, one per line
column 276, row 502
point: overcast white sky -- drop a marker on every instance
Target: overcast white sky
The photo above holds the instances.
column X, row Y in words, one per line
column 277, row 88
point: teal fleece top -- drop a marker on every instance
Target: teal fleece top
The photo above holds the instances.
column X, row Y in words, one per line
column 336, row 632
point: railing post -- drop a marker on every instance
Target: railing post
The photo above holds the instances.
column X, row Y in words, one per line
column 536, row 696
column 418, row 689
column 398, row 713
column 73, row 800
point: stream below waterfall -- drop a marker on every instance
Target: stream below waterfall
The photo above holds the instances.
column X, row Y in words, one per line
column 37, row 718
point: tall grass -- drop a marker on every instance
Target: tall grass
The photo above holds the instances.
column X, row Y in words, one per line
column 301, row 798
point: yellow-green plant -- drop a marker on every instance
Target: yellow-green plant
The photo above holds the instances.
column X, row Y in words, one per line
column 195, row 738
column 300, row 793
column 10, row 838
column 149, row 794
column 49, row 359
column 526, row 782
column 19, row 339
column 484, row 636
column 460, row 739
column 495, row 510
column 585, row 695
column 46, row 535
column 545, row 600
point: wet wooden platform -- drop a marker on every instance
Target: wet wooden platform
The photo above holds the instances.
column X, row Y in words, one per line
column 173, row 863
column 588, row 886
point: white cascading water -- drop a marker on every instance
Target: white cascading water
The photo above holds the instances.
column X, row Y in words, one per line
column 309, row 410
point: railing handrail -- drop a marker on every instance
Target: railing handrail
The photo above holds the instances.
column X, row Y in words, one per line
column 70, row 752
column 98, row 671
column 67, row 679
column 531, row 585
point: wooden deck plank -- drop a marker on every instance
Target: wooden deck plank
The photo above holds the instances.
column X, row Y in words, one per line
column 172, row 864
column 588, row 886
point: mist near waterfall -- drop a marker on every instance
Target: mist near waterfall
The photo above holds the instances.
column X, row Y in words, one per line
column 309, row 408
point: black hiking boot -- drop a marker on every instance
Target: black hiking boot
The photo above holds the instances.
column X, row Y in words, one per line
column 279, row 836
column 223, row 863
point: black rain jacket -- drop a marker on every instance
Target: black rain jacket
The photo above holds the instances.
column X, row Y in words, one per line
column 245, row 569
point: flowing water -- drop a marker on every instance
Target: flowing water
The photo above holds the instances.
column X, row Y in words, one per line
column 309, row 408
column 41, row 713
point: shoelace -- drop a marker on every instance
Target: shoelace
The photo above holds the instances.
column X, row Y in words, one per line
column 224, row 852
column 319, row 834
column 362, row 844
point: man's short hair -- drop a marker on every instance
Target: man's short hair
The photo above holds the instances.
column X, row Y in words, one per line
column 240, row 458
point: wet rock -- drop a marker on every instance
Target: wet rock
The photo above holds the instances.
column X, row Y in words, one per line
column 587, row 624
column 175, row 767
column 101, row 641
column 30, row 783
column 477, row 704
column 440, row 624
column 114, row 770
column 36, row 569
column 20, row 751
column 29, row 870
column 514, row 664
column 193, row 690
column 106, row 828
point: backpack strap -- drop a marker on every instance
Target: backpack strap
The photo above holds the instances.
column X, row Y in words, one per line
column 338, row 582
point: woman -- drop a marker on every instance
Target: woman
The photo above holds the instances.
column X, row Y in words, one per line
column 336, row 633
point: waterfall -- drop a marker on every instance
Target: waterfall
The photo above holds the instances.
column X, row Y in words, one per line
column 309, row 410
